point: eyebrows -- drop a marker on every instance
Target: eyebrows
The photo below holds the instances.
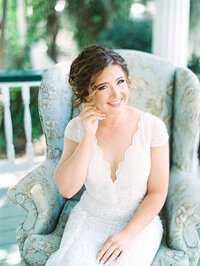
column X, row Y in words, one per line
column 108, row 82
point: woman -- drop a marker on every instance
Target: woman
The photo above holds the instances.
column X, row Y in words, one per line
column 121, row 155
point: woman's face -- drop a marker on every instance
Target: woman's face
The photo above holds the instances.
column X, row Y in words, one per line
column 111, row 90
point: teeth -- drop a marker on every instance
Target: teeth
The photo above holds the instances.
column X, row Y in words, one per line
column 116, row 102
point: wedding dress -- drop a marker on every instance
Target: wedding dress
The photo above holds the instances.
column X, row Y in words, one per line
column 106, row 206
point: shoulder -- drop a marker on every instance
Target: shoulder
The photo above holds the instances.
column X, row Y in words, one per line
column 153, row 124
column 149, row 117
column 74, row 122
column 144, row 119
column 158, row 131
column 73, row 129
column 153, row 128
column 156, row 121
column 134, row 112
column 75, row 119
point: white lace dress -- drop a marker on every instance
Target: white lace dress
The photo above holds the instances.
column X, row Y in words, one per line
column 106, row 206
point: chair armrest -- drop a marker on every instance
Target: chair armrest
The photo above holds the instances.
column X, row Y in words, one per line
column 183, row 213
column 38, row 195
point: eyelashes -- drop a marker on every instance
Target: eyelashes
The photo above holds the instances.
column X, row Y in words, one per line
column 119, row 82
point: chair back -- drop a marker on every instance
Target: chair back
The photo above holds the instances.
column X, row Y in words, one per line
column 156, row 87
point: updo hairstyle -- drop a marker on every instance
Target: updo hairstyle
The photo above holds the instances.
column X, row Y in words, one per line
column 87, row 67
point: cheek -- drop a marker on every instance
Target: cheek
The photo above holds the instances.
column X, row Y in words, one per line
column 126, row 90
column 126, row 94
column 99, row 99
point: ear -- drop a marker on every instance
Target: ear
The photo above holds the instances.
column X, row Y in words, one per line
column 86, row 98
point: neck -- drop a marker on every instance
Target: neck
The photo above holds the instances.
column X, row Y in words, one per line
column 113, row 120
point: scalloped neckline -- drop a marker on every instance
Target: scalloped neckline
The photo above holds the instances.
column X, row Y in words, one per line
column 125, row 153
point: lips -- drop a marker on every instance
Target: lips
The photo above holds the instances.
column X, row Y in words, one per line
column 115, row 103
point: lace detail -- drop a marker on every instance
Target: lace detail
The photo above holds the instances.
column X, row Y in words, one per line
column 72, row 130
column 159, row 132
column 133, row 141
column 106, row 207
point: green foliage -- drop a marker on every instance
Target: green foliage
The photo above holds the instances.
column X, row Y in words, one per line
column 108, row 23
column 92, row 22
column 17, row 114
column 128, row 34
column 104, row 22
column 194, row 64
column 43, row 23
column 38, row 27
column 36, row 125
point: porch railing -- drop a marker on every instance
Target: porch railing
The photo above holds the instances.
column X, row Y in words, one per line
column 24, row 80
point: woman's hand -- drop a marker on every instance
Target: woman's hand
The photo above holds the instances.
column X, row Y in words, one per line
column 89, row 118
column 116, row 246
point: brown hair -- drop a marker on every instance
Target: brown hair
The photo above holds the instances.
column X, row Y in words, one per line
column 88, row 66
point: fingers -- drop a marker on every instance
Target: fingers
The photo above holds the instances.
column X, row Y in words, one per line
column 106, row 245
column 88, row 106
column 89, row 111
column 113, row 256
column 91, row 115
column 91, row 118
column 121, row 255
column 108, row 252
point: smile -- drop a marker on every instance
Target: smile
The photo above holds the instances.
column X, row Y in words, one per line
column 116, row 103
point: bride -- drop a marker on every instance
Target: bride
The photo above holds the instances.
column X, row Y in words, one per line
column 121, row 154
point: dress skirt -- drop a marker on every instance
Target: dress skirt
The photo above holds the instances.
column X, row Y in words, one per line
column 85, row 234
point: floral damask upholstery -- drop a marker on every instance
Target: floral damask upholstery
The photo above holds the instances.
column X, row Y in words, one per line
column 158, row 87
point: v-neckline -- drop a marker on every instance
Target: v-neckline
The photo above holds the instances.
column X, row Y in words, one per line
column 125, row 153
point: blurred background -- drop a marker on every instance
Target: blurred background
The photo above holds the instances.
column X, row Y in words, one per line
column 36, row 34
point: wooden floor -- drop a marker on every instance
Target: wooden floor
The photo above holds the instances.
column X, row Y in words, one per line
column 11, row 215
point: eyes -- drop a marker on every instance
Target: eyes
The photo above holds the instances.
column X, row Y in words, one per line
column 119, row 82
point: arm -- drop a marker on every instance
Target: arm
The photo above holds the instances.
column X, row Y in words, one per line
column 72, row 168
column 156, row 191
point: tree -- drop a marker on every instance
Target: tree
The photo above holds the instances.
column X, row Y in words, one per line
column 44, row 24
column 92, row 17
column 2, row 37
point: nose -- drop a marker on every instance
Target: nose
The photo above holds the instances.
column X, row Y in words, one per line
column 115, row 92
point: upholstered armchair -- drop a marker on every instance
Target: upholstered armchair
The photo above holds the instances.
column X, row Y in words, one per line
column 158, row 87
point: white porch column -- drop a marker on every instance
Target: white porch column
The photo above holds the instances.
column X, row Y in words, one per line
column 170, row 40
column 171, row 30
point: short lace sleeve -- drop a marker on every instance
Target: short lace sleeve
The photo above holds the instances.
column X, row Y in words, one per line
column 159, row 133
column 72, row 130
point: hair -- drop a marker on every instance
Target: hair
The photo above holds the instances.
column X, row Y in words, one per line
column 87, row 67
